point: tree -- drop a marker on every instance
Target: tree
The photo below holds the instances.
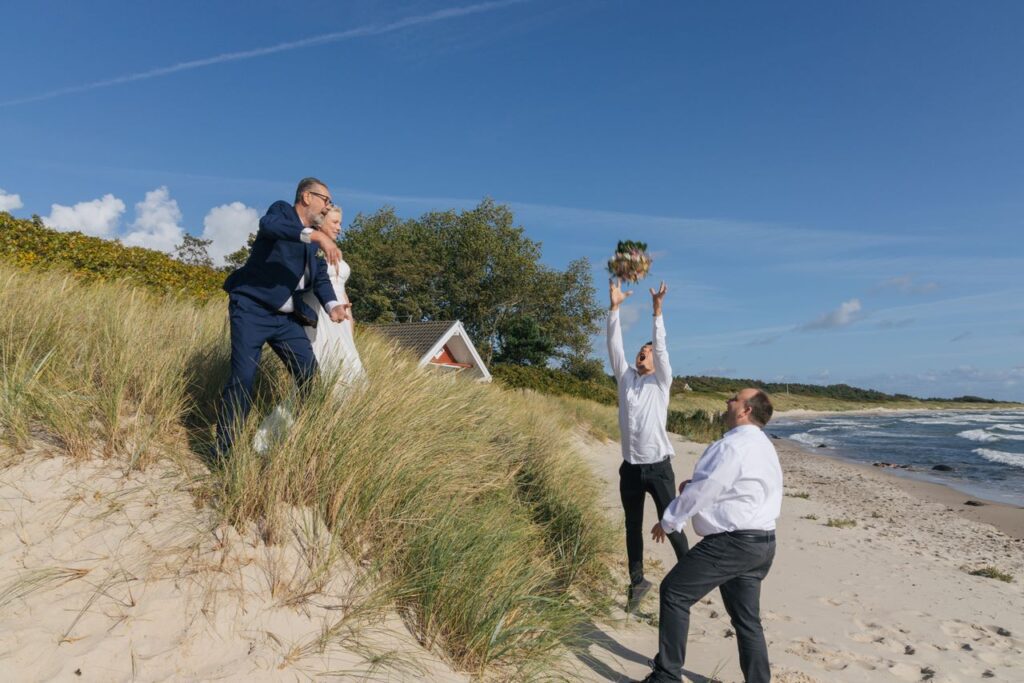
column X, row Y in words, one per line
column 475, row 266
column 237, row 259
column 523, row 342
column 193, row 251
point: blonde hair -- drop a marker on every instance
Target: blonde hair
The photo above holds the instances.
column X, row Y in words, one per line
column 319, row 219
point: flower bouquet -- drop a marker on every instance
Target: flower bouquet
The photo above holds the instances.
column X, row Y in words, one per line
column 631, row 261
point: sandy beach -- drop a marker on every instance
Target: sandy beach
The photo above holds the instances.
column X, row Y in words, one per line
column 887, row 599
column 109, row 578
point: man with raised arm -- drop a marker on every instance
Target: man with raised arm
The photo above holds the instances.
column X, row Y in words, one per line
column 646, row 451
column 734, row 498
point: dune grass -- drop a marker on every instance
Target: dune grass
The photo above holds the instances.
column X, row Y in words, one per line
column 465, row 502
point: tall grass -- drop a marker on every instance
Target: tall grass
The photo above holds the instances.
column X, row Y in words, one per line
column 466, row 502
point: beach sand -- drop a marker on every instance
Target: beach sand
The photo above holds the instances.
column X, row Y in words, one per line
column 886, row 600
column 105, row 577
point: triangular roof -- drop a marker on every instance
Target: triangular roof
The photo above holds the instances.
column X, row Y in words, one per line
column 417, row 337
column 428, row 339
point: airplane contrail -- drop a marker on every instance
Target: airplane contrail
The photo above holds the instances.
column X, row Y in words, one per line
column 362, row 31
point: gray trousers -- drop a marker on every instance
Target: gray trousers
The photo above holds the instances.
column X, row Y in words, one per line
column 735, row 563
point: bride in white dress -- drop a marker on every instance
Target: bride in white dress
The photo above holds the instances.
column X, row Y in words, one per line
column 333, row 344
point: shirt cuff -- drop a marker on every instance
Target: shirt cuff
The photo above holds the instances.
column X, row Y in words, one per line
column 331, row 305
column 306, row 235
column 667, row 528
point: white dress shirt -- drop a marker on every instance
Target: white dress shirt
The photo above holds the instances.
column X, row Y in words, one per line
column 736, row 486
column 643, row 399
column 289, row 305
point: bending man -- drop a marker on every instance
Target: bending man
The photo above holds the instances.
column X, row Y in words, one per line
column 734, row 499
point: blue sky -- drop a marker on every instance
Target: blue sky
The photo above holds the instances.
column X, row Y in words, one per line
column 833, row 190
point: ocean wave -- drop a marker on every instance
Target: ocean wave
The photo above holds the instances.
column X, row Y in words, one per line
column 979, row 435
column 994, row 418
column 1015, row 459
column 1009, row 427
column 808, row 439
column 936, row 421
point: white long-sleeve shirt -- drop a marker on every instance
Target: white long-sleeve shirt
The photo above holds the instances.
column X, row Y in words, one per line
column 736, row 486
column 643, row 399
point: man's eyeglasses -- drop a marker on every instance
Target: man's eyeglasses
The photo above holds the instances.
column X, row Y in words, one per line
column 327, row 200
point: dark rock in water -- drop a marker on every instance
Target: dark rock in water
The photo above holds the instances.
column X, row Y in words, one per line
column 774, row 436
column 942, row 468
column 974, row 503
column 821, row 445
column 892, row 465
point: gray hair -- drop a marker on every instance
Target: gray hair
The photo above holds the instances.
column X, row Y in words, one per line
column 305, row 185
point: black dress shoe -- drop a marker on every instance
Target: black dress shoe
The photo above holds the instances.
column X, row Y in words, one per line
column 636, row 593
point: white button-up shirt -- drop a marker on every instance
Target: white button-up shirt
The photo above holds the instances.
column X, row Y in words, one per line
column 643, row 399
column 736, row 486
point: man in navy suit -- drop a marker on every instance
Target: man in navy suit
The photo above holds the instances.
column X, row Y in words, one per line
column 265, row 303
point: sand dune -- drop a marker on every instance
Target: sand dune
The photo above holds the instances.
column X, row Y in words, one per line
column 105, row 577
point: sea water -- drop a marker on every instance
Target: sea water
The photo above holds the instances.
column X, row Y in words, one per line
column 984, row 448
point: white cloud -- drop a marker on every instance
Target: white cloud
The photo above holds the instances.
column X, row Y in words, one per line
column 228, row 226
column 156, row 225
column 98, row 217
column 841, row 317
column 9, row 202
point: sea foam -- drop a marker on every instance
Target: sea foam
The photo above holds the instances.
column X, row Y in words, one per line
column 1015, row 459
column 979, row 435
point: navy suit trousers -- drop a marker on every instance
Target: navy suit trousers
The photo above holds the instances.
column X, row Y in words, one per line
column 252, row 326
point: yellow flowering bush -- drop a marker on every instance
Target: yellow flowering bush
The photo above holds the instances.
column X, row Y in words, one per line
column 30, row 244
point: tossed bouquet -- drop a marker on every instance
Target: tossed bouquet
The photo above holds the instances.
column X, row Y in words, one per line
column 631, row 261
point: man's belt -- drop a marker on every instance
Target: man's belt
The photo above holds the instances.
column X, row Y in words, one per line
column 748, row 535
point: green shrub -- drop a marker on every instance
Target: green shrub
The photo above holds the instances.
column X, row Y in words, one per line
column 30, row 244
column 555, row 382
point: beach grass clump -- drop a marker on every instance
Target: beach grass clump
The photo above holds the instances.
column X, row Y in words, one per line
column 990, row 572
column 842, row 523
column 800, row 494
column 465, row 504
column 810, row 516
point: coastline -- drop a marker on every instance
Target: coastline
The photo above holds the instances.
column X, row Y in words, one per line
column 1007, row 518
column 802, row 412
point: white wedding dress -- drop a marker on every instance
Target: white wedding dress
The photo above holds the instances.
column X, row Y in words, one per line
column 337, row 358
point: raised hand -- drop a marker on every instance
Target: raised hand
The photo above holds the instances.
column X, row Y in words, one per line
column 615, row 293
column 657, row 297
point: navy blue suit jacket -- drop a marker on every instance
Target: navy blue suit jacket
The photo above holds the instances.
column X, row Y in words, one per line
column 277, row 261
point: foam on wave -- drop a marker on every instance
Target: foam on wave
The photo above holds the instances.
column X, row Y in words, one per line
column 1014, row 459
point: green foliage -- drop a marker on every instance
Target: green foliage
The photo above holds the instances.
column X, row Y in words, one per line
column 524, row 343
column 237, row 259
column 700, row 425
column 587, row 369
column 555, row 382
column 30, row 244
column 193, row 251
column 841, row 523
column 475, row 266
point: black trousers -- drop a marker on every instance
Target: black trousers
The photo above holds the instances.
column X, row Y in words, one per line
column 735, row 563
column 635, row 482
